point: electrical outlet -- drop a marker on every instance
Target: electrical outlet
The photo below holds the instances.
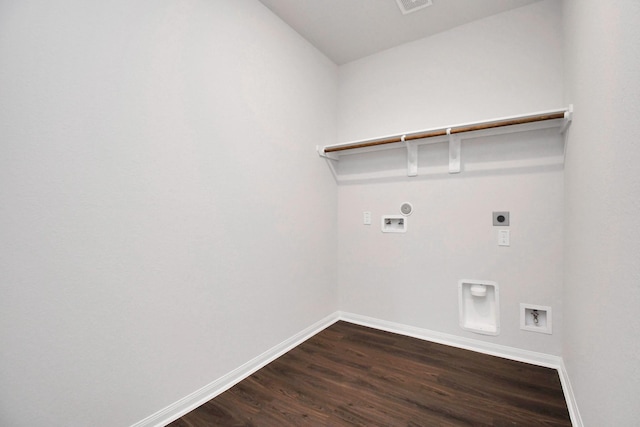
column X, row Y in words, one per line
column 501, row 219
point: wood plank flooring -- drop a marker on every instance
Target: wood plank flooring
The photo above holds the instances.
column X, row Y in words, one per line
column 349, row 375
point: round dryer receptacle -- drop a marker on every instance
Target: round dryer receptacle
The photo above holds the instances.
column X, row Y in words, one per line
column 406, row 209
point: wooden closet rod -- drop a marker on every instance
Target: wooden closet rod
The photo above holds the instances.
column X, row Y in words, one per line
column 454, row 130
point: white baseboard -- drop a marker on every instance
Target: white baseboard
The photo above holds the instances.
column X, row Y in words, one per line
column 222, row 384
column 540, row 359
column 208, row 392
column 512, row 353
column 576, row 419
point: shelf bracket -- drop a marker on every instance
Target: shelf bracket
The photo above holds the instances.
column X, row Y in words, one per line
column 454, row 152
column 412, row 157
column 568, row 116
column 321, row 153
column 330, row 161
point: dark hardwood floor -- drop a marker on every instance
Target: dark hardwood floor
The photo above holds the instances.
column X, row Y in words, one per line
column 352, row 375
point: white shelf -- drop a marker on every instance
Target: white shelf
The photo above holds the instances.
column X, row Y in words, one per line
column 560, row 118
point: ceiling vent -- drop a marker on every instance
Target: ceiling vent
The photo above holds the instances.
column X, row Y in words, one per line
column 409, row 6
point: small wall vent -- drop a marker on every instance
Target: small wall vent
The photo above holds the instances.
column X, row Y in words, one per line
column 409, row 6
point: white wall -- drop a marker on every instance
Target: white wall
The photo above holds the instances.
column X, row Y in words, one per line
column 504, row 65
column 163, row 221
column 164, row 216
column 602, row 275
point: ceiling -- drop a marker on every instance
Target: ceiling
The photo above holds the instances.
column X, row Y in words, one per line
column 346, row 30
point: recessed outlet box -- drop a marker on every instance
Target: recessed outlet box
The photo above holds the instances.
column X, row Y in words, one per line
column 394, row 224
column 501, row 218
column 535, row 318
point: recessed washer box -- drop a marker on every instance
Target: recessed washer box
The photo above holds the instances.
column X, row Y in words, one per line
column 535, row 318
column 394, row 224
